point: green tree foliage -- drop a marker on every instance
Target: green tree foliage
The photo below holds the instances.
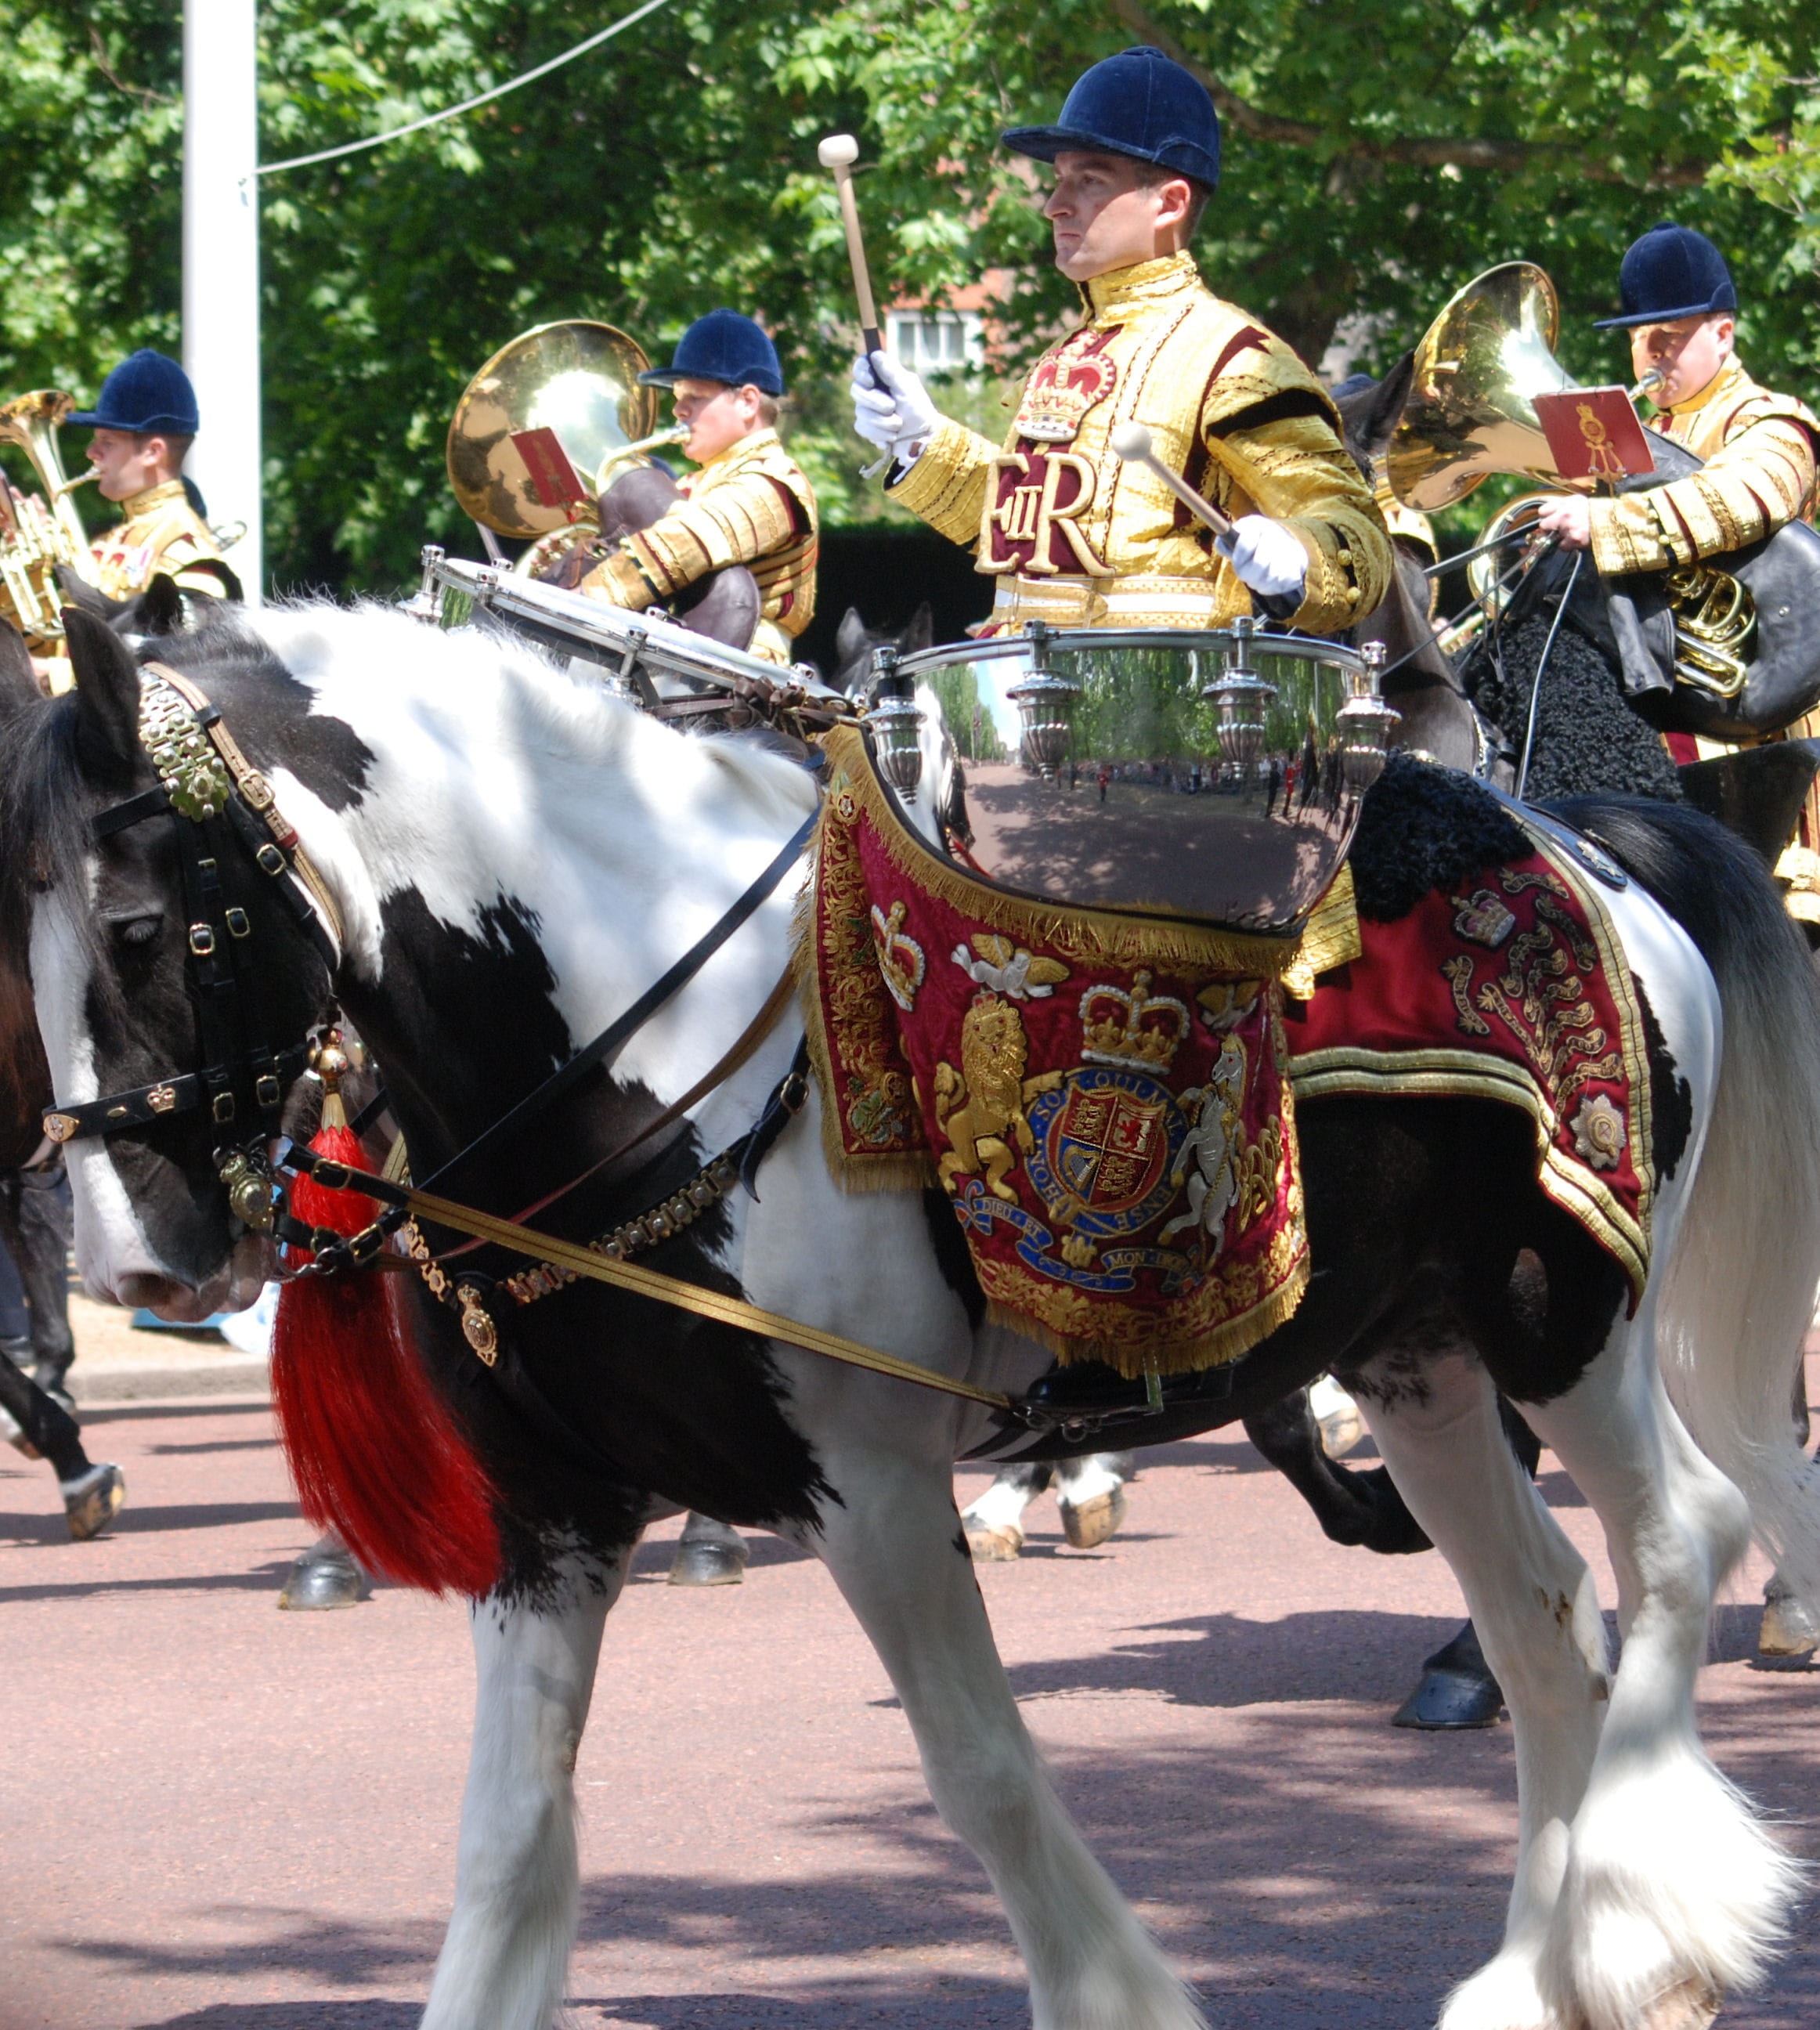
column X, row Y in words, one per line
column 1378, row 152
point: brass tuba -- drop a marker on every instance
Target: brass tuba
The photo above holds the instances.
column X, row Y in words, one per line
column 39, row 531
column 1471, row 413
column 577, row 378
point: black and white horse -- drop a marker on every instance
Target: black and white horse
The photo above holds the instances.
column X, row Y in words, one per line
column 512, row 858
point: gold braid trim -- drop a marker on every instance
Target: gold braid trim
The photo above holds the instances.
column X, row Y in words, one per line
column 1090, row 937
column 895, row 1172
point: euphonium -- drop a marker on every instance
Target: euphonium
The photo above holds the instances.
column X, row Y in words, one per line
column 1471, row 413
column 38, row 532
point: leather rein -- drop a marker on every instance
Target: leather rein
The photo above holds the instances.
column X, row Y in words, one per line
column 220, row 804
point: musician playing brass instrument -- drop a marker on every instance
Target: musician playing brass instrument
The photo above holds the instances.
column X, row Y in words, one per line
column 1679, row 306
column 144, row 425
column 1073, row 537
column 750, row 503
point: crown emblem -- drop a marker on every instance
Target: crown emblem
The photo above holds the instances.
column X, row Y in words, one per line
column 1138, row 1027
column 1062, row 389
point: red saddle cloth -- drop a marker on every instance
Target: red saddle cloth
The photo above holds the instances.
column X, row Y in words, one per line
column 1105, row 1098
column 1513, row 987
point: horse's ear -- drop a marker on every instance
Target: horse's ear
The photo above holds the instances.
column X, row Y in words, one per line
column 851, row 639
column 77, row 591
column 18, row 681
column 921, row 632
column 1371, row 415
column 159, row 609
column 107, row 689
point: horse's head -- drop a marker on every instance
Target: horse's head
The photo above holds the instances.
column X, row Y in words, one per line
column 157, row 948
column 1436, row 719
column 854, row 642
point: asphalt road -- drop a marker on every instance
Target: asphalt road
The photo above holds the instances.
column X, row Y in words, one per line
column 215, row 1814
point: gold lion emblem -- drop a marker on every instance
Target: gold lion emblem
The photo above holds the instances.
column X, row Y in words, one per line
column 980, row 1108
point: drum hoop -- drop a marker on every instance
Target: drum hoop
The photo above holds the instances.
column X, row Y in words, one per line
column 1017, row 648
column 660, row 641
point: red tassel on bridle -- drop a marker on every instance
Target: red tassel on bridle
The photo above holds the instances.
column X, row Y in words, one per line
column 375, row 1453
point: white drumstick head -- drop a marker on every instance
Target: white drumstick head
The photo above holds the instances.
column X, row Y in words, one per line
column 838, row 151
column 1131, row 440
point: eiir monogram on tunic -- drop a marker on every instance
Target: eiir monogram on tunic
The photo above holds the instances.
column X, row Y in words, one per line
column 1030, row 514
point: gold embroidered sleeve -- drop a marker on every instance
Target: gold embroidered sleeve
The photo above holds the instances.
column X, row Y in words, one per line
column 618, row 580
column 947, row 485
column 1296, row 470
column 742, row 520
column 1749, row 486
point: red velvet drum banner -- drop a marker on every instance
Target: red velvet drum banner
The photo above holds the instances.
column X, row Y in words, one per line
column 1105, row 1099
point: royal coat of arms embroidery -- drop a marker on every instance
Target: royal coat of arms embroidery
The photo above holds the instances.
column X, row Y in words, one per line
column 1102, row 1098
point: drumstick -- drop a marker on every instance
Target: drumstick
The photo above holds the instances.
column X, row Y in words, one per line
column 1132, row 443
column 838, row 152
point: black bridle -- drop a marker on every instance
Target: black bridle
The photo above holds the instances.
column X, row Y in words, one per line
column 220, row 805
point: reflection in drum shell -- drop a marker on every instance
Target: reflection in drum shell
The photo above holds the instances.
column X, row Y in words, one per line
column 1255, row 722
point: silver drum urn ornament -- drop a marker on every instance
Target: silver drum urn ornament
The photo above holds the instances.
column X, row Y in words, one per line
column 895, row 720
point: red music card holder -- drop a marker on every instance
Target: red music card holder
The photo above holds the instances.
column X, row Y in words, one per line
column 1593, row 433
column 557, row 483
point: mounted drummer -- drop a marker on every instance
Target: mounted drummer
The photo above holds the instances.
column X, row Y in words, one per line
column 748, row 505
column 1073, row 537
column 144, row 424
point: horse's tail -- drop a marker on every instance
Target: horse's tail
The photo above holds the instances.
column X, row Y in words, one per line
column 1740, row 1293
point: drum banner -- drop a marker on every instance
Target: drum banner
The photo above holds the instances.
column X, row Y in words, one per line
column 1105, row 1099
column 1512, row 986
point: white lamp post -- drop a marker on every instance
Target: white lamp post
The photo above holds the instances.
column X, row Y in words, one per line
column 221, row 268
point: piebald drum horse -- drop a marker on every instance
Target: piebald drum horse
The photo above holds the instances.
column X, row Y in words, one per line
column 514, row 856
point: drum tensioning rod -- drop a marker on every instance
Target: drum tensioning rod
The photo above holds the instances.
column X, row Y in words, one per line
column 838, row 152
column 1133, row 444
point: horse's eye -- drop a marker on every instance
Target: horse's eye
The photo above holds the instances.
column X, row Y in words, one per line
column 138, row 930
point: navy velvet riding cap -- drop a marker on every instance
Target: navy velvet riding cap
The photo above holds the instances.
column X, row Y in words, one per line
column 722, row 346
column 146, row 392
column 1138, row 103
column 1671, row 272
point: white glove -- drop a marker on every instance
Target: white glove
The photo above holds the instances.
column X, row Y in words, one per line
column 1266, row 555
column 891, row 407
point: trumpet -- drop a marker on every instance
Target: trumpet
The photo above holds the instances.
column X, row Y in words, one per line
column 39, row 531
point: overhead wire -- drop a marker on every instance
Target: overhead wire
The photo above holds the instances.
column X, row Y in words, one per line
column 467, row 105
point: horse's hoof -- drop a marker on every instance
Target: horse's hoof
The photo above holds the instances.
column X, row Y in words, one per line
column 1337, row 1413
column 1691, row 2005
column 322, row 1579
column 92, row 1500
column 1791, row 1629
column 1089, row 1526
column 712, row 1562
column 994, row 1546
column 1445, row 1701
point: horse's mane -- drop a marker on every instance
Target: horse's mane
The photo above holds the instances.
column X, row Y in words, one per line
column 44, row 799
column 566, row 715
column 45, row 789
